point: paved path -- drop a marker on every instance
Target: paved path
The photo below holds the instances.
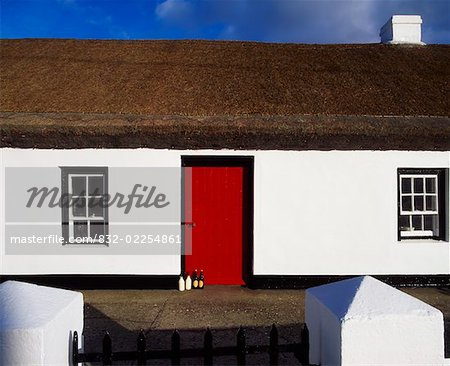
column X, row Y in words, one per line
column 223, row 308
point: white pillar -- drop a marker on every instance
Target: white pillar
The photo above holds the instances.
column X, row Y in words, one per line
column 363, row 321
column 36, row 324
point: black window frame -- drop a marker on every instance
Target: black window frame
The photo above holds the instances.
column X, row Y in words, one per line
column 442, row 199
column 82, row 170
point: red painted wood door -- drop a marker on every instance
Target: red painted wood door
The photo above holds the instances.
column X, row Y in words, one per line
column 217, row 237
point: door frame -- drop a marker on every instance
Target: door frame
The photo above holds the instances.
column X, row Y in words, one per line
column 246, row 162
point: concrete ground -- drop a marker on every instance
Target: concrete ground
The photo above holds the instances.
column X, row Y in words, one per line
column 222, row 308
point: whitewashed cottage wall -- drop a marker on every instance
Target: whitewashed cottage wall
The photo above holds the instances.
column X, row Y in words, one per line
column 315, row 213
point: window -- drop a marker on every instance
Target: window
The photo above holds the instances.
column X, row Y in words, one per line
column 84, row 209
column 422, row 203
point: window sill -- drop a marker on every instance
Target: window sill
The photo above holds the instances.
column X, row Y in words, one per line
column 412, row 240
column 416, row 233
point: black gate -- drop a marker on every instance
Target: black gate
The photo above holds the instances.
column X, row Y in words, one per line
column 208, row 352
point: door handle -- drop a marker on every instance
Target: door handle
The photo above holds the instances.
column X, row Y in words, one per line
column 191, row 224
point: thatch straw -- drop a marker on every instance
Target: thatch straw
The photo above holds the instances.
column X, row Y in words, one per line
column 202, row 78
column 75, row 130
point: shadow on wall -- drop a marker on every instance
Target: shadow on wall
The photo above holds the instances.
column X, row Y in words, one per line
column 123, row 339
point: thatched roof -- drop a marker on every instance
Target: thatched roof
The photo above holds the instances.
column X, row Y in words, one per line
column 75, row 130
column 222, row 78
column 252, row 95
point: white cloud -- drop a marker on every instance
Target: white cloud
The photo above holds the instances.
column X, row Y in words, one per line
column 229, row 32
column 316, row 21
column 173, row 10
column 312, row 21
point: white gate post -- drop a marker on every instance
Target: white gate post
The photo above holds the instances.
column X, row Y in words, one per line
column 36, row 324
column 363, row 321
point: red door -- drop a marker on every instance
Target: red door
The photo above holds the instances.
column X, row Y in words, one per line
column 217, row 237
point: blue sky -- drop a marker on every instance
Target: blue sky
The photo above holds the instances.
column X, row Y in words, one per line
column 300, row 21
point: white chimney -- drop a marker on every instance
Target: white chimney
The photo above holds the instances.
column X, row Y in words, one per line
column 402, row 29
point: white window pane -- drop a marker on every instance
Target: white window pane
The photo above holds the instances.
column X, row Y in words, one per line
column 406, row 203
column 80, row 229
column 406, row 185
column 404, row 223
column 431, row 223
column 417, row 222
column 418, row 203
column 95, row 186
column 79, row 207
column 96, row 207
column 431, row 203
column 418, row 185
column 97, row 229
column 430, row 185
column 79, row 186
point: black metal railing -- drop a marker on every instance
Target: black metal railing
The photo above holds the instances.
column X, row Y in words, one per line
column 208, row 352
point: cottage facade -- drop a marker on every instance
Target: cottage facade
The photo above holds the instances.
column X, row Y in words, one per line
column 297, row 164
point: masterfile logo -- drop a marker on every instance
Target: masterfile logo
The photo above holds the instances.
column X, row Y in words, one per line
column 53, row 198
column 96, row 210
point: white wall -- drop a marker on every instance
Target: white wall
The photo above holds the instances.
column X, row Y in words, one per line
column 336, row 213
column 314, row 213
